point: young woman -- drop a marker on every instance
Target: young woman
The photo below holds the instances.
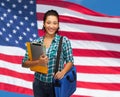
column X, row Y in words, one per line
column 42, row 85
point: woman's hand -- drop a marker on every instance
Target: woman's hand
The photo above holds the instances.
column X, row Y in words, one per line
column 59, row 75
column 43, row 60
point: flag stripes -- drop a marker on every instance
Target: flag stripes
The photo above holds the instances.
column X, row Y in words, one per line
column 95, row 39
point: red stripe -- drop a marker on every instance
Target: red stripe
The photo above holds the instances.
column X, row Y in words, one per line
column 88, row 36
column 17, row 89
column 91, row 36
column 69, row 19
column 11, row 59
column 69, row 5
column 98, row 69
column 102, row 86
column 28, row 77
column 96, row 53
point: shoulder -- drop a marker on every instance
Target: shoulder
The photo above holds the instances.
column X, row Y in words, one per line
column 66, row 39
column 38, row 39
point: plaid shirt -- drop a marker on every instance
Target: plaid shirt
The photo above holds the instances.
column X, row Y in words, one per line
column 66, row 56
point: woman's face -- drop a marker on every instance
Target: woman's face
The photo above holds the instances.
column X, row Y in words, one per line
column 51, row 24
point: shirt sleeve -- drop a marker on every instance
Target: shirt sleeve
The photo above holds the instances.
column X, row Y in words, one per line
column 25, row 58
column 67, row 50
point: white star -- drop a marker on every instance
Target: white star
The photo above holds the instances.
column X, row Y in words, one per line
column 4, row 29
column 11, row 21
column 2, row 4
column 34, row 35
column 31, row 12
column 8, row 25
column 31, row 2
column 24, row 33
column 17, row 27
column 8, row 0
column 7, row 39
column 15, row 17
column 10, row 35
column 14, row 6
column 9, row 10
column 2, row 18
column 19, row 1
column 16, row 42
column 1, row 33
column 20, row 12
column 14, row 31
column 28, row 29
column 5, row 15
column 26, row 18
column 20, row 37
column 25, row 6
column 21, row 23
column 30, row 39
column 32, row 24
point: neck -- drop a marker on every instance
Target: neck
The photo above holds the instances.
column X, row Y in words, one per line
column 49, row 36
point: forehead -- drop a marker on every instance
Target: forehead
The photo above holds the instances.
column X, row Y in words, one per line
column 52, row 18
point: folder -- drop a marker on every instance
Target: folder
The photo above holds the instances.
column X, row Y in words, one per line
column 34, row 52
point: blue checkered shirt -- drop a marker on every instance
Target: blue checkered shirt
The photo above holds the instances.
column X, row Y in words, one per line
column 66, row 56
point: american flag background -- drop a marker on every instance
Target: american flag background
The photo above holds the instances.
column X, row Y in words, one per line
column 95, row 40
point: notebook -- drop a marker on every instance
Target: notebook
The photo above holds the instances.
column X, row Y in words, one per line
column 35, row 50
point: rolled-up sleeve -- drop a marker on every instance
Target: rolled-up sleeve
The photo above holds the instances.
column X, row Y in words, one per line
column 67, row 50
column 25, row 58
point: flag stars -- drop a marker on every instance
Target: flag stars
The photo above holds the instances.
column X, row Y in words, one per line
column 21, row 23
column 14, row 6
column 20, row 12
column 15, row 17
column 25, row 6
column 26, row 18
column 11, row 21
column 1, row 33
column 24, row 33
column 32, row 24
column 5, row 15
column 14, row 31
column 2, row 18
column 34, row 35
column 30, row 39
column 8, row 24
column 8, row 0
column 2, row 4
column 28, row 29
column 17, row 27
column 31, row 13
column 10, row 35
column 19, row 1
column 8, row 10
column 3, row 29
column 31, row 2
column 7, row 39
column 20, row 37
column 16, row 42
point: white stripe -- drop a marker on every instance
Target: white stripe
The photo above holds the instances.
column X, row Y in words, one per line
column 77, row 44
column 97, row 93
column 67, row 12
column 97, row 61
column 100, row 78
column 15, row 67
column 15, row 81
column 10, row 50
column 94, row 45
column 84, row 28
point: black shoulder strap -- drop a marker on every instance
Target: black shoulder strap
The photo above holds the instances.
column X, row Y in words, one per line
column 58, row 54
